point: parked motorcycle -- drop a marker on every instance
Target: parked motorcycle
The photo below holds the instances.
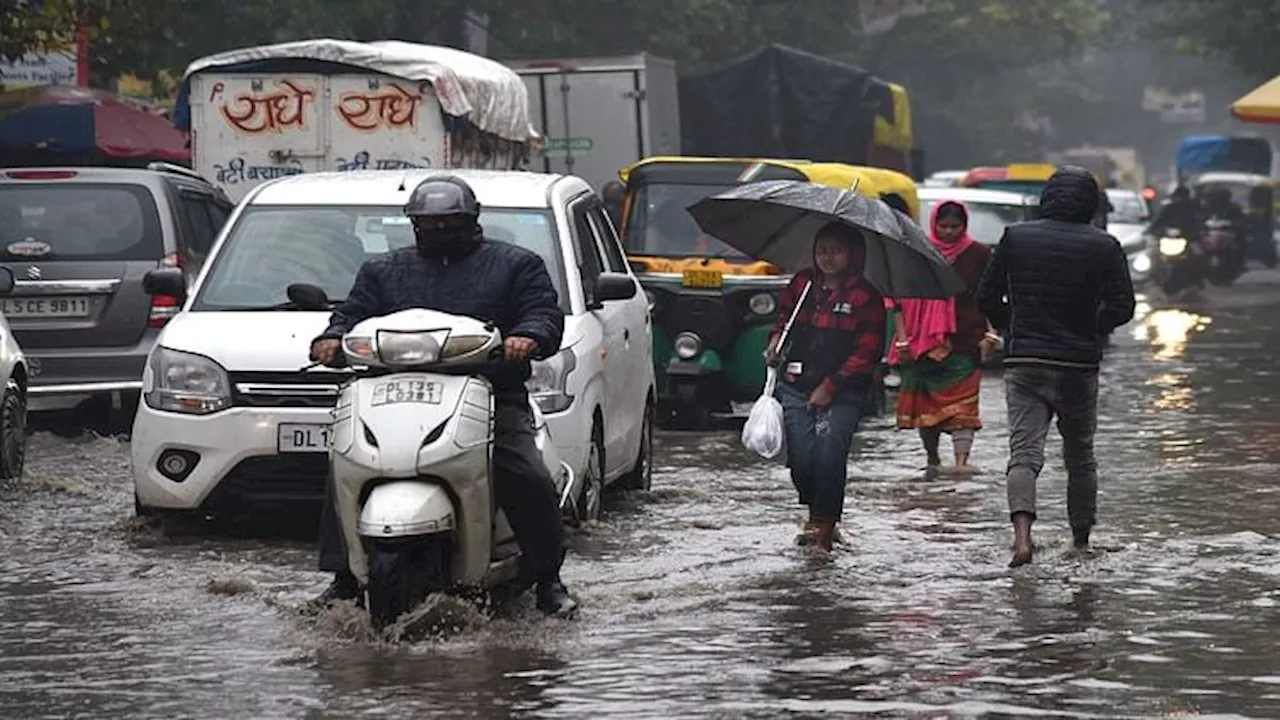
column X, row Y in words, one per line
column 1176, row 262
column 410, row 459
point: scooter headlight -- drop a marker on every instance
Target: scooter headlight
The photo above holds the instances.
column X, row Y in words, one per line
column 1141, row 263
column 457, row 346
column 358, row 348
column 1172, row 246
column 762, row 304
column 408, row 348
column 687, row 345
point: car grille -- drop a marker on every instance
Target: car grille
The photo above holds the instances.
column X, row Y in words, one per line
column 274, row 479
column 287, row 390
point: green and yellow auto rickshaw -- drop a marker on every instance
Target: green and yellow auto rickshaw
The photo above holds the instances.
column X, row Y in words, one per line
column 713, row 308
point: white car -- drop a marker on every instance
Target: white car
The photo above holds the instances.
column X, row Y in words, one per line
column 13, row 402
column 1128, row 223
column 990, row 211
column 228, row 419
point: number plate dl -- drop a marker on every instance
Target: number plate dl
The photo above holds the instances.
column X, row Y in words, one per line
column 393, row 392
column 703, row 279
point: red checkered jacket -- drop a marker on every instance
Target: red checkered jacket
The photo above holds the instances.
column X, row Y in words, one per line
column 838, row 337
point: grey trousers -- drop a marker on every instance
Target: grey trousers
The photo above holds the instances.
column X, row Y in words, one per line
column 1035, row 394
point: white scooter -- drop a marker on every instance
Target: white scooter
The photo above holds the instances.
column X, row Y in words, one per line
column 410, row 457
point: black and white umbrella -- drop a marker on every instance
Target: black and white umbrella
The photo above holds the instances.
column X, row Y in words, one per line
column 777, row 220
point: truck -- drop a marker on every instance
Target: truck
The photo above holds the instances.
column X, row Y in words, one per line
column 599, row 115
column 259, row 113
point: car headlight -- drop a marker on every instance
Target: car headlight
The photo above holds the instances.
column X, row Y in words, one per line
column 408, row 348
column 184, row 382
column 687, row 345
column 1172, row 246
column 549, row 381
column 762, row 304
column 1141, row 263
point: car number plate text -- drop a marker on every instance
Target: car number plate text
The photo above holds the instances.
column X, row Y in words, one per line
column 45, row 307
column 303, row 437
column 393, row 392
column 703, row 279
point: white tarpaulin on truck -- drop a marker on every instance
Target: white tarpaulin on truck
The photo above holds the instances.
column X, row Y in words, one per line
column 488, row 94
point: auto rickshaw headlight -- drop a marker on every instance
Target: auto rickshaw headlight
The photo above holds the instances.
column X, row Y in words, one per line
column 762, row 304
column 687, row 345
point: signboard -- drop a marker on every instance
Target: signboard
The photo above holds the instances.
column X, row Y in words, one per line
column 555, row 147
column 1174, row 108
column 55, row 68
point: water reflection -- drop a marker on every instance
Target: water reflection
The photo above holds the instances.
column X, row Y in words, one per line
column 1169, row 331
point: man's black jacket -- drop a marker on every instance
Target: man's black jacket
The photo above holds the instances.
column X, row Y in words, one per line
column 494, row 281
column 1057, row 286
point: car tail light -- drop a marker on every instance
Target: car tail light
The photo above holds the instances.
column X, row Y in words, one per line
column 164, row 307
column 41, row 174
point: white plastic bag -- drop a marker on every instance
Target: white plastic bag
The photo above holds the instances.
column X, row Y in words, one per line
column 763, row 433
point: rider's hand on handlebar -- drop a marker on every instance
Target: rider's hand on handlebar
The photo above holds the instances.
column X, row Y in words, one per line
column 519, row 348
column 325, row 350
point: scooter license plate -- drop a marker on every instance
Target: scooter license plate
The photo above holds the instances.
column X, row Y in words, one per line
column 394, row 392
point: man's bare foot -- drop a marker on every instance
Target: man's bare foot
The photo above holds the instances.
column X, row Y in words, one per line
column 1022, row 546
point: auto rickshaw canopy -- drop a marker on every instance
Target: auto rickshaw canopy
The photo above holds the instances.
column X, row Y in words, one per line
column 717, row 172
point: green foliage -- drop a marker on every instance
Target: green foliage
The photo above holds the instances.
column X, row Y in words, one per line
column 1245, row 33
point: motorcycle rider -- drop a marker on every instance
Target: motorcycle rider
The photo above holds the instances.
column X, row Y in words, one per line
column 1216, row 202
column 453, row 268
column 1177, row 212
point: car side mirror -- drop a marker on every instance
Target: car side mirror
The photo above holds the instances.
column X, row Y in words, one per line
column 7, row 281
column 614, row 286
column 165, row 281
column 307, row 297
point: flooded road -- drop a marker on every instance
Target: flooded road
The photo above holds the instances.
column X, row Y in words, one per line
column 697, row 605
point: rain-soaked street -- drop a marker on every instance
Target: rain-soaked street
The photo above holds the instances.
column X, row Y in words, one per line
column 696, row 604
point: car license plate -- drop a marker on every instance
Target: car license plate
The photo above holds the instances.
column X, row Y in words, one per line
column 303, row 437
column 394, row 392
column 47, row 307
column 703, row 279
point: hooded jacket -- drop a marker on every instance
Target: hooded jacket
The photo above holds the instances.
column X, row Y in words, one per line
column 1057, row 286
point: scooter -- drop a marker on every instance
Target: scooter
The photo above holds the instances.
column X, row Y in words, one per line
column 1176, row 263
column 1225, row 262
column 410, row 457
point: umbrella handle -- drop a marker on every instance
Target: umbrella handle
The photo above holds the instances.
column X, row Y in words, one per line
column 795, row 312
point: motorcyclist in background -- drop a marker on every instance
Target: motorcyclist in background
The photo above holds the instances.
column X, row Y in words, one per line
column 1178, row 211
column 1216, row 204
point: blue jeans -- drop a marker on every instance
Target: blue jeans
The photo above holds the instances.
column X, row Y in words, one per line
column 818, row 449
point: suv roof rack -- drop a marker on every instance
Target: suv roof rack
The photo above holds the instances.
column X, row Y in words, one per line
column 160, row 166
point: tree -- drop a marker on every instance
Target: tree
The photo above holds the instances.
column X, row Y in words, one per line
column 1246, row 34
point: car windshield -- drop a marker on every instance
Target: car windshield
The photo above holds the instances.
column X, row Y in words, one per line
column 1129, row 208
column 987, row 220
column 273, row 247
column 659, row 224
column 78, row 221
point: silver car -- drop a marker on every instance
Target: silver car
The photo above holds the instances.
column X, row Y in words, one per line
column 13, row 403
column 79, row 241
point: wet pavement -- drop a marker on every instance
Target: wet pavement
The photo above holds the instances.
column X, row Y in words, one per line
column 697, row 605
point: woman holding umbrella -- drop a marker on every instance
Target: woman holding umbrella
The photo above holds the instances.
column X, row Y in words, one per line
column 940, row 345
column 848, row 252
column 834, row 345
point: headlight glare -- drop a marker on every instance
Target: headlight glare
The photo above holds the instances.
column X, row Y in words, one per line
column 186, row 383
column 1172, row 246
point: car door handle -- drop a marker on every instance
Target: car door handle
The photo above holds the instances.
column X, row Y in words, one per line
column 626, row 334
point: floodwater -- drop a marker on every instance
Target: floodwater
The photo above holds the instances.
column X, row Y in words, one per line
column 697, row 605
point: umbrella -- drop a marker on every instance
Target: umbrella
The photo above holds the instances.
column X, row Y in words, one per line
column 66, row 120
column 776, row 220
column 1262, row 105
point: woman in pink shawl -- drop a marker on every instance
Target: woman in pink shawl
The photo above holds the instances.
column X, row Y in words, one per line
column 940, row 345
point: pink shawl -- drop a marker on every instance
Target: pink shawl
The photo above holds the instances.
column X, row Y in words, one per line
column 928, row 323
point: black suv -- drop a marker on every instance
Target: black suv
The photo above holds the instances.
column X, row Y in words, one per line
column 79, row 241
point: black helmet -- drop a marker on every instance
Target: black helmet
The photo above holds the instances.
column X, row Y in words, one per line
column 443, row 195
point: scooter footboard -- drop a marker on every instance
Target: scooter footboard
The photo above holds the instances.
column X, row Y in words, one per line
column 406, row 508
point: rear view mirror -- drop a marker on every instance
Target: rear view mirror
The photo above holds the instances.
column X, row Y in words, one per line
column 307, row 297
column 6, row 280
column 165, row 281
column 614, row 286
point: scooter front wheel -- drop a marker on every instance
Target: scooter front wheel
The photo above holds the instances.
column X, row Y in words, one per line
column 402, row 573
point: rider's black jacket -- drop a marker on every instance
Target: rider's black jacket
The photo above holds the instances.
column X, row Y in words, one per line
column 492, row 281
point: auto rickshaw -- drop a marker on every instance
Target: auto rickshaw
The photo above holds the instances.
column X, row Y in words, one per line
column 1027, row 178
column 1255, row 194
column 713, row 308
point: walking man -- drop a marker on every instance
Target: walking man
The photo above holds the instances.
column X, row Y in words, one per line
column 1055, row 287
